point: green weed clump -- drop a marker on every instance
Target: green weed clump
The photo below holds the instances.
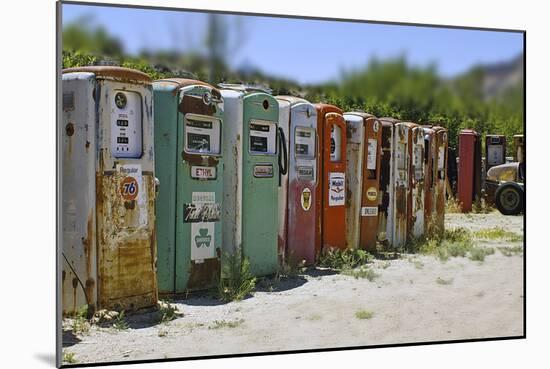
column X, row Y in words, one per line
column 69, row 357
column 167, row 311
column 120, row 322
column 452, row 206
column 479, row 253
column 344, row 259
column 236, row 281
column 80, row 323
column 226, row 324
column 291, row 267
column 509, row 251
column 498, row 233
column 364, row 314
column 457, row 242
column 361, row 272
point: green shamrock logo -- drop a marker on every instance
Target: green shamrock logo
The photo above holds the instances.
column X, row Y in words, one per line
column 203, row 238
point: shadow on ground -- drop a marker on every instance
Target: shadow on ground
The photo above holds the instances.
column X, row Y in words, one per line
column 203, row 300
column 320, row 272
column 280, row 284
column 69, row 338
column 144, row 318
column 390, row 255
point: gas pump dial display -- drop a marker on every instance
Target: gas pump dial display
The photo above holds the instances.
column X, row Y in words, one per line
column 202, row 134
column 263, row 136
column 126, row 125
column 305, row 142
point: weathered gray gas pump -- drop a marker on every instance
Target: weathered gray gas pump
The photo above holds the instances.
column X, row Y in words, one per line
column 108, row 189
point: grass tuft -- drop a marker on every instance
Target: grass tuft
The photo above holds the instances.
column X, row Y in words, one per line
column 226, row 324
column 314, row 317
column 79, row 323
column 236, row 281
column 479, row 253
column 454, row 242
column 442, row 281
column 361, row 273
column 344, row 259
column 509, row 251
column 69, row 357
column 291, row 267
column 120, row 322
column 364, row 314
column 498, row 233
column 417, row 263
column 168, row 312
column 452, row 206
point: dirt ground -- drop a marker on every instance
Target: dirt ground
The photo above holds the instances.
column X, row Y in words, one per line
column 415, row 298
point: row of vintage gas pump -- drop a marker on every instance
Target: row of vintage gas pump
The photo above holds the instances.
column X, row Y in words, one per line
column 160, row 178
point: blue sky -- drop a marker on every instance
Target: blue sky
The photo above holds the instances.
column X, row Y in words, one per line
column 297, row 48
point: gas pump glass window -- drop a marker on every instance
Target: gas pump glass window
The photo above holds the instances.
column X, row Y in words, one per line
column 126, row 125
column 305, row 143
column 335, row 143
column 263, row 135
column 202, row 134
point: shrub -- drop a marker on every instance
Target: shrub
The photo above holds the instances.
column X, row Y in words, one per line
column 235, row 282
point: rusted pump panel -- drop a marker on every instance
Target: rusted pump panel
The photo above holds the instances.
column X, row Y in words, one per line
column 418, row 182
column 297, row 191
column 469, row 169
column 78, row 217
column 355, row 132
column 401, row 183
column 430, row 165
column 188, row 124
column 363, row 152
column 442, row 144
column 108, row 188
column 331, row 194
column 386, row 189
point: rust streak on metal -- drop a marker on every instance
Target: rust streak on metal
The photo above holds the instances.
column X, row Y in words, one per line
column 197, row 105
column 184, row 82
column 127, row 248
column 203, row 275
column 88, row 246
column 69, row 129
column 194, row 159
